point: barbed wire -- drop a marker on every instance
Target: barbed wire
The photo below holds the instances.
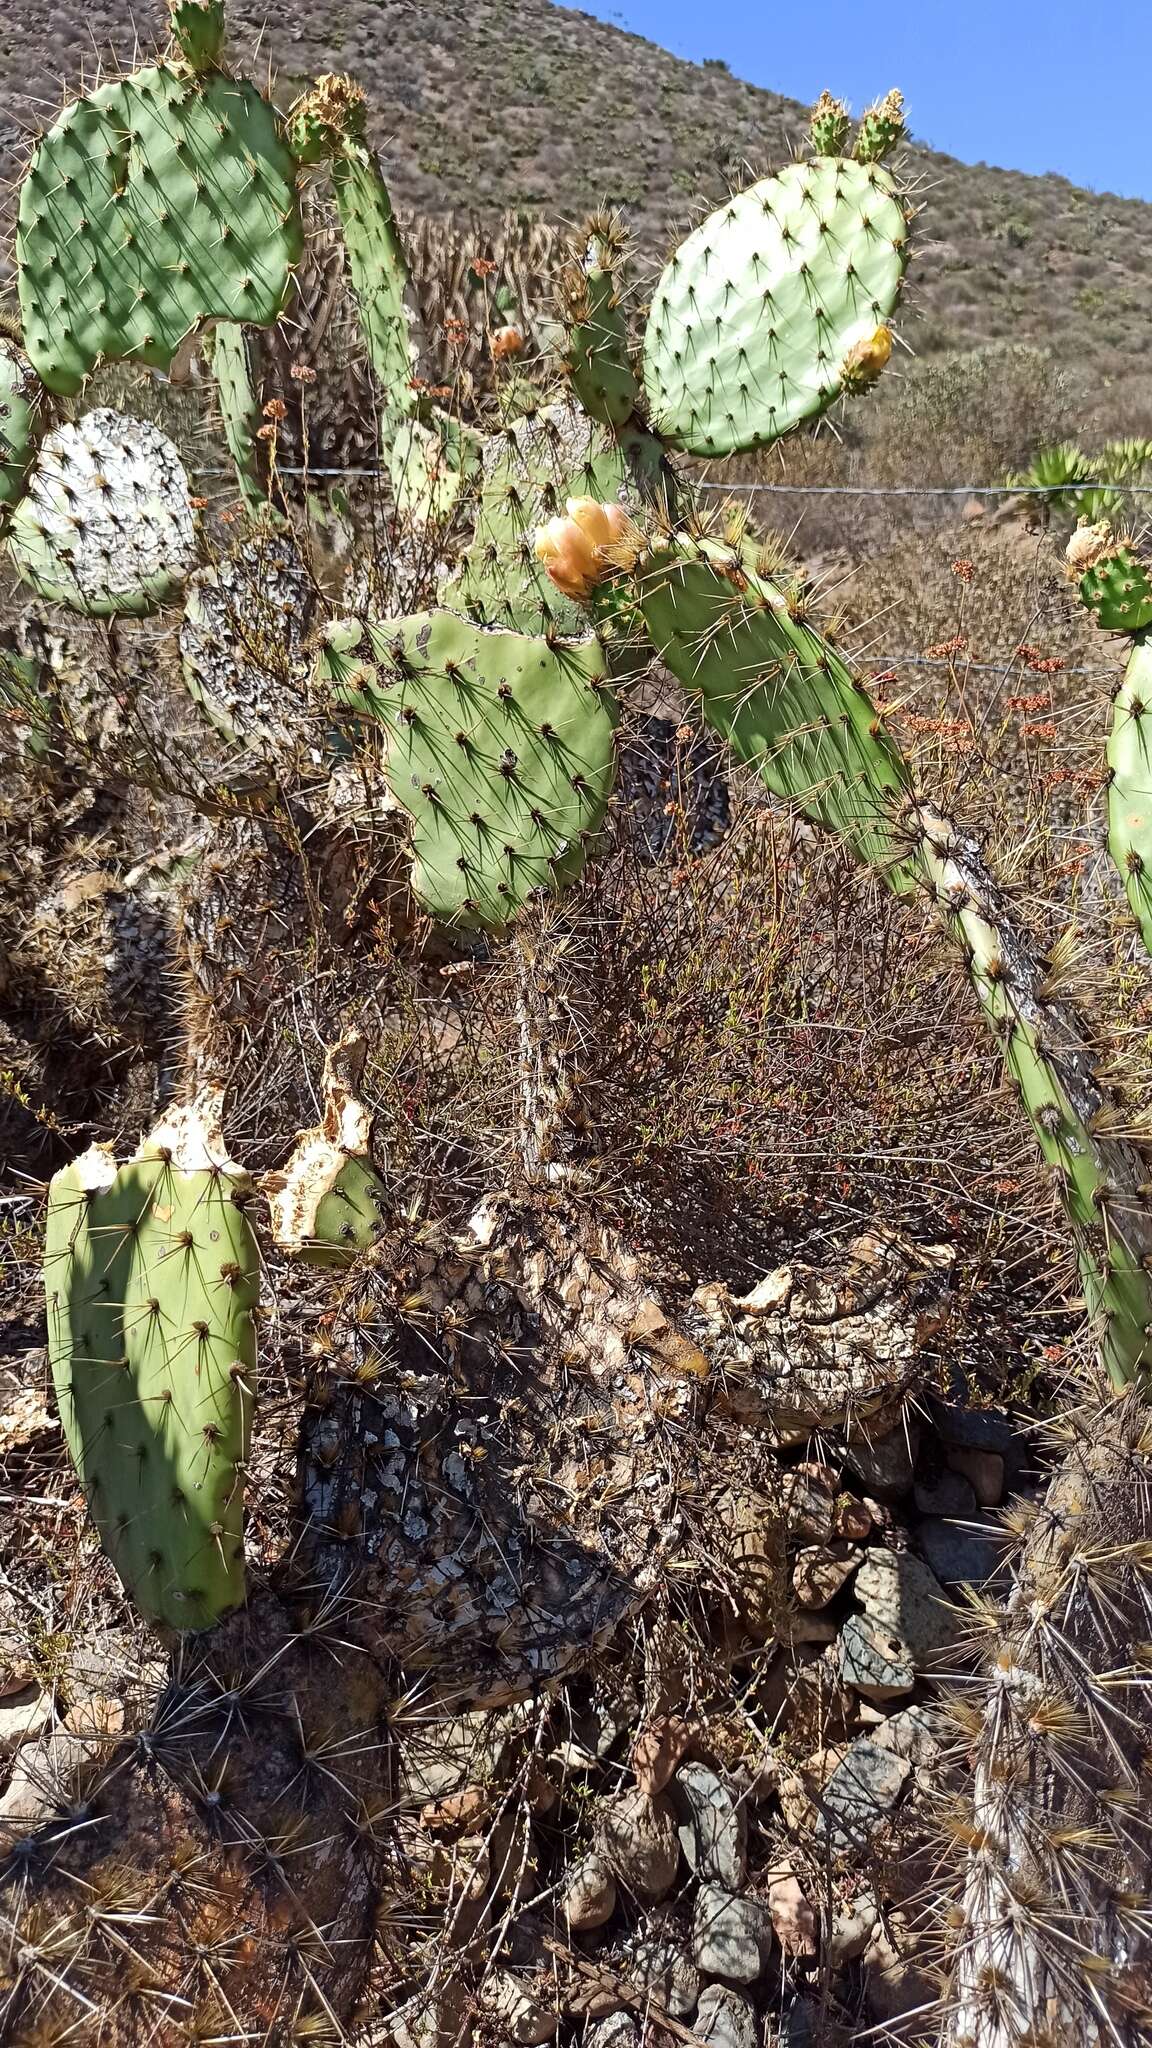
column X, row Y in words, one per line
column 804, row 490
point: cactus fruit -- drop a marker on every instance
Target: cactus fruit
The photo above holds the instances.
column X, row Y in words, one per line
column 829, row 127
column 1117, row 589
column 500, row 748
column 1101, row 1177
column 1050, row 1939
column 530, row 470
column 198, row 31
column 106, row 525
column 151, row 1274
column 881, row 129
column 756, row 318
column 574, row 548
column 328, row 1202
column 778, row 693
column 20, row 395
column 597, row 361
column 226, row 347
column 1130, row 786
column 247, row 618
column 330, row 122
column 157, row 202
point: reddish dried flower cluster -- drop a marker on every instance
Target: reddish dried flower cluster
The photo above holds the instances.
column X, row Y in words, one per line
column 966, row 571
column 1040, row 664
column 1039, row 700
column 944, row 650
column 275, row 409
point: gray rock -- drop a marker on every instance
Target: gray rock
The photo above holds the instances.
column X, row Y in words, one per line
column 862, row 1792
column 962, row 1554
column 819, row 1572
column 24, row 1714
column 873, row 1661
column 850, row 1932
column 913, row 1734
column 526, row 2019
column 641, row 1841
column 731, row 1937
column 589, row 1895
column 979, row 1429
column 946, row 1493
column 615, row 2030
column 886, row 1463
column 902, row 1594
column 462, row 1749
column 712, row 1830
column 46, row 1775
column 725, row 2019
column 660, row 1970
column 433, row 2019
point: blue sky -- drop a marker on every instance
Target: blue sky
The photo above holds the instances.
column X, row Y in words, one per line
column 1034, row 85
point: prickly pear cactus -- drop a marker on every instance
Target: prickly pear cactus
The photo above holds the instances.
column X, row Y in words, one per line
column 247, row 618
column 329, row 1202
column 1130, row 786
column 157, row 202
column 530, row 469
column 227, row 352
column 198, row 31
column 330, row 122
column 1047, row 1050
column 151, row 1274
column 830, row 126
column 778, row 693
column 1117, row 589
column 428, row 466
column 597, row 361
column 500, row 748
column 762, row 306
column 20, row 395
column 106, row 524
column 881, row 128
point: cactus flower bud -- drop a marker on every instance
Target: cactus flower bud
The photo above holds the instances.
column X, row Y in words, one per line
column 1087, row 545
column 866, row 359
column 571, row 548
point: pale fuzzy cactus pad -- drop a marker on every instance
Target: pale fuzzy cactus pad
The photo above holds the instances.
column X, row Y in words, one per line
column 106, row 524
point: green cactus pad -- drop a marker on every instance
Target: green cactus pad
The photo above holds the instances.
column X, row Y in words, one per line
column 329, row 1202
column 106, row 525
column 247, row 618
column 159, row 201
column 529, row 470
column 829, row 127
column 151, row 1275
column 760, row 307
column 227, row 352
column 881, row 128
column 597, row 361
column 1130, row 786
column 1118, row 592
column 781, row 696
column 499, row 747
column 30, row 712
column 198, row 30
column 20, row 395
column 428, row 465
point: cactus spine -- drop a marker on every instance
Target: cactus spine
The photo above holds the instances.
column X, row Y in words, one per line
column 152, row 1274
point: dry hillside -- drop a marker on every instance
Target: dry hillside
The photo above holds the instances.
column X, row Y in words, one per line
column 517, row 103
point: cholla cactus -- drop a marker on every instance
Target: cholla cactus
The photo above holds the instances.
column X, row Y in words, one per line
column 1051, row 1937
